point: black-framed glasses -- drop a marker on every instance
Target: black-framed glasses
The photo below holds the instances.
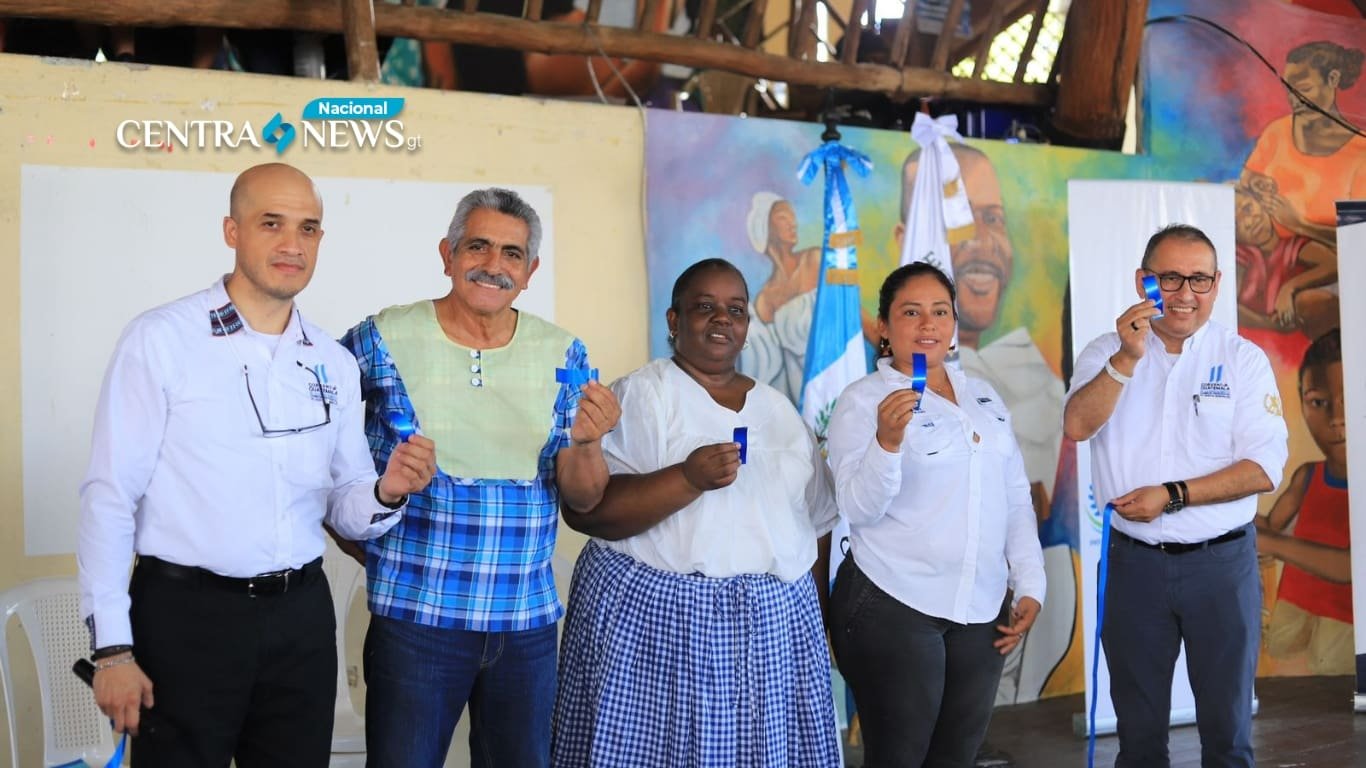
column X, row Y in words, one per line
column 322, row 397
column 1171, row 282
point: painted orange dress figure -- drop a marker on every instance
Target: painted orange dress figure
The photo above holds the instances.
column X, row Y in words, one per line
column 1306, row 161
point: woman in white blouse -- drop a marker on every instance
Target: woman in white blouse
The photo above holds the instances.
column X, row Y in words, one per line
column 941, row 525
column 694, row 634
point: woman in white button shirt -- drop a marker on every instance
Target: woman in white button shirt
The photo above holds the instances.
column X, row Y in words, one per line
column 694, row 635
column 941, row 525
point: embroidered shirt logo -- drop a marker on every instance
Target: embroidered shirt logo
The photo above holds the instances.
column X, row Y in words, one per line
column 1215, row 387
column 1272, row 403
column 320, row 390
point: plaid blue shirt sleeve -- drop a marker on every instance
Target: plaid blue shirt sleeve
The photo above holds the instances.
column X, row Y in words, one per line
column 380, row 388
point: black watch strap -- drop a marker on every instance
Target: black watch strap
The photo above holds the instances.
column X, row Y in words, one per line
column 1174, row 502
column 110, row 650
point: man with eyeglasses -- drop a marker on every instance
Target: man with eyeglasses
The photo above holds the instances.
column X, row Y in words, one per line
column 227, row 431
column 462, row 597
column 1185, row 425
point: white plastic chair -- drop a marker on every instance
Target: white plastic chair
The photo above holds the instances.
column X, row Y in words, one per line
column 345, row 577
column 73, row 727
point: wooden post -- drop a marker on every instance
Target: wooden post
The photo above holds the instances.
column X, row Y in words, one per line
column 940, row 58
column 362, row 52
column 754, row 25
column 471, row 6
column 853, row 34
column 1096, row 65
column 803, row 38
column 989, row 33
column 594, row 11
column 533, row 10
column 904, row 30
column 1027, row 53
column 706, row 19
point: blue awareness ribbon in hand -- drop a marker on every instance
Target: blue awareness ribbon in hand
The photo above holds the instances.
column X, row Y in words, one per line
column 575, row 377
column 1154, row 293
column 919, row 375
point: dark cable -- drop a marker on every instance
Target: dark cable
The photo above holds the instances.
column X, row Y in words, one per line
column 1288, row 87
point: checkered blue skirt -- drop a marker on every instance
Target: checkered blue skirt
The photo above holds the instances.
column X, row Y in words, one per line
column 664, row 670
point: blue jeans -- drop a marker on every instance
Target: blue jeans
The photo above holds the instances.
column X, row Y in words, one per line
column 419, row 678
column 1212, row 600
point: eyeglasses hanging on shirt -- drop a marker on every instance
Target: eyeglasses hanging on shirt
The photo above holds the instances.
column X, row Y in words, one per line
column 317, row 379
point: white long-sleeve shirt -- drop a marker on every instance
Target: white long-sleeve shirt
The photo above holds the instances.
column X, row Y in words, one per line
column 1184, row 416
column 947, row 523
column 180, row 469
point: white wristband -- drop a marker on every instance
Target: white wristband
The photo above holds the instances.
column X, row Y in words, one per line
column 1116, row 375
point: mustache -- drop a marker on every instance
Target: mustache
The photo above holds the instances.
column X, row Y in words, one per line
column 480, row 276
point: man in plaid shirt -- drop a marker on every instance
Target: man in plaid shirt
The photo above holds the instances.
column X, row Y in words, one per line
column 461, row 592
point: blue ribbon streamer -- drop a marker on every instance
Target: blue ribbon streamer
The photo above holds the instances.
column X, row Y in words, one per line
column 741, row 436
column 576, row 377
column 1100, row 622
column 1154, row 293
column 115, row 760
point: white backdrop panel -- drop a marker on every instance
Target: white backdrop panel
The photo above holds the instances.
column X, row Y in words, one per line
column 99, row 246
column 1109, row 222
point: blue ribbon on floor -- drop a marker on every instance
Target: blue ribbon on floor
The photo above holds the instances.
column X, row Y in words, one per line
column 115, row 760
column 1154, row 293
column 1100, row 622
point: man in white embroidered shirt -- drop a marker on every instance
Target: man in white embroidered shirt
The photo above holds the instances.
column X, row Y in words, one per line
column 227, row 430
column 1184, row 421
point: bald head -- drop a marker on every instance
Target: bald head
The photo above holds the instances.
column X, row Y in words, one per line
column 251, row 183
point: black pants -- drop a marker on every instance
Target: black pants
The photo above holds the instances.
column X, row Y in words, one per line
column 924, row 686
column 234, row 676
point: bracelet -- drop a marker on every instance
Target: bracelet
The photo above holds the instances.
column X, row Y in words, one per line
column 1115, row 374
column 1185, row 492
column 396, row 506
column 110, row 650
column 115, row 662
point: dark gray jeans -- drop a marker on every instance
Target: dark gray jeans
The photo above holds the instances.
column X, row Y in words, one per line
column 1212, row 599
column 924, row 686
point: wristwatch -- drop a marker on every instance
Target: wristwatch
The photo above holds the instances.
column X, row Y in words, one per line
column 1174, row 501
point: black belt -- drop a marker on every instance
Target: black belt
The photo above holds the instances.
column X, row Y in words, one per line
column 1181, row 548
column 273, row 583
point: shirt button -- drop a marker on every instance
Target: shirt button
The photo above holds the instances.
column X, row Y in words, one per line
column 476, row 382
column 474, row 368
column 474, row 353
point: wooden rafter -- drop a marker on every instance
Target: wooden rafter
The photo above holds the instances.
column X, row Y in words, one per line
column 1027, row 53
column 436, row 24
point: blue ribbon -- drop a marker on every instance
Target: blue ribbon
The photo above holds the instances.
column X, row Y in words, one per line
column 1100, row 622
column 575, row 377
column 1154, row 293
column 115, row 760
column 741, row 436
column 402, row 423
column 919, row 375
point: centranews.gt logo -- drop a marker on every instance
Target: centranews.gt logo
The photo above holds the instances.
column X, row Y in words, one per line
column 330, row 123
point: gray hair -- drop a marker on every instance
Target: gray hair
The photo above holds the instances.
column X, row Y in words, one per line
column 503, row 201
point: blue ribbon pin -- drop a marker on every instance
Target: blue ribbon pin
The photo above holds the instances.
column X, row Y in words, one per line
column 741, row 436
column 918, row 376
column 1153, row 292
column 576, row 377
